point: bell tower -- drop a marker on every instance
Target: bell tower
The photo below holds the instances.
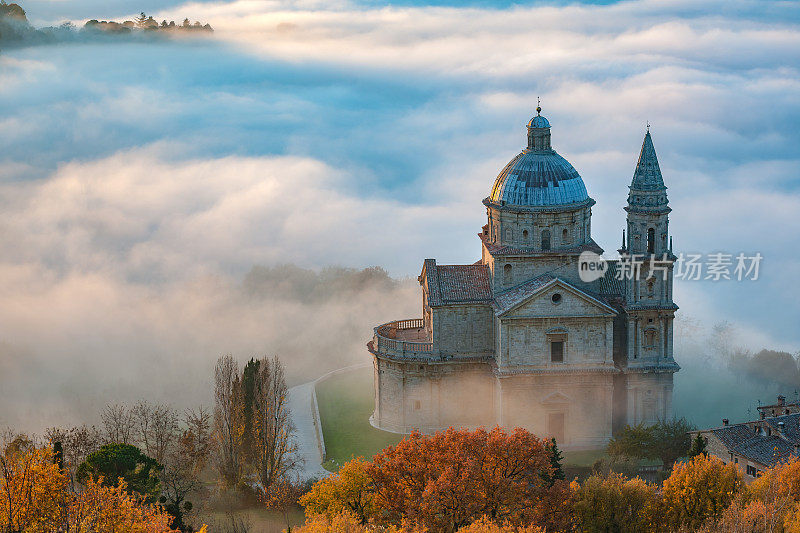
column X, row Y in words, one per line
column 647, row 259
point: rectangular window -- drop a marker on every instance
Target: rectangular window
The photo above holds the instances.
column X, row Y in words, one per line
column 417, row 405
column 751, row 470
column 557, row 351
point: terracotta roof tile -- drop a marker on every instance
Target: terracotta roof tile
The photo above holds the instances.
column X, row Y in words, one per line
column 454, row 284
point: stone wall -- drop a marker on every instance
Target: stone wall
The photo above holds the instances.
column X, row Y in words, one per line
column 463, row 329
column 524, row 228
column 574, row 408
column 432, row 396
column 524, row 269
column 649, row 397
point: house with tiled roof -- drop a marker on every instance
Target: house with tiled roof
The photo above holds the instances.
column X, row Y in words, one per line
column 525, row 336
column 757, row 445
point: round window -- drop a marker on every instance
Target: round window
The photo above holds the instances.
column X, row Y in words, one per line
column 556, row 298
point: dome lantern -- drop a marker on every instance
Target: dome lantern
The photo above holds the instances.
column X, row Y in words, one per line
column 539, row 132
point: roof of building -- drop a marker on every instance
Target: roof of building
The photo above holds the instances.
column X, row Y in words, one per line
column 453, row 284
column 501, row 249
column 611, row 284
column 791, row 426
column 647, row 176
column 781, row 405
column 507, row 299
column 538, row 177
column 766, row 449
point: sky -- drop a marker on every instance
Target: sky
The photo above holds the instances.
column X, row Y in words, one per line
column 140, row 182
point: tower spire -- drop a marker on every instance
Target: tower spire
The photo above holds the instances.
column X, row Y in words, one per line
column 647, row 175
column 647, row 190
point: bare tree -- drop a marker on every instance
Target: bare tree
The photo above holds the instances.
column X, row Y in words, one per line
column 195, row 441
column 273, row 428
column 118, row 422
column 227, row 429
column 78, row 442
column 163, row 432
column 142, row 414
column 156, row 428
column 179, row 481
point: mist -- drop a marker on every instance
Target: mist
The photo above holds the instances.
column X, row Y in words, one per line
column 74, row 346
column 166, row 202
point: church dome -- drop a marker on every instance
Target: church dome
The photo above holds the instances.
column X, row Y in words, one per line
column 538, row 176
column 539, row 122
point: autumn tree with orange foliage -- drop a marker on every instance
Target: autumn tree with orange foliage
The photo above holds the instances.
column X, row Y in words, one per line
column 35, row 497
column 699, row 491
column 448, row 480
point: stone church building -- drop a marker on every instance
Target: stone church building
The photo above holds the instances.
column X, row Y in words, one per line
column 517, row 339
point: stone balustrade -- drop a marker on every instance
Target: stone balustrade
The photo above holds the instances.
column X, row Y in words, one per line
column 394, row 339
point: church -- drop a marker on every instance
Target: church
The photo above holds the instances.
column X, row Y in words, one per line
column 522, row 337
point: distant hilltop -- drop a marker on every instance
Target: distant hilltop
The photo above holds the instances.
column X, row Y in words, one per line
column 145, row 23
column 16, row 30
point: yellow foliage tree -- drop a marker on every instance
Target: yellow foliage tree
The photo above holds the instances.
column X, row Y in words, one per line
column 616, row 503
column 782, row 480
column 485, row 525
column 100, row 509
column 32, row 490
column 347, row 491
column 35, row 498
column 343, row 522
column 791, row 523
column 698, row 491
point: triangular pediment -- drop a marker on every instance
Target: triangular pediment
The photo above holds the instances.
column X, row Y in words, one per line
column 552, row 297
column 556, row 397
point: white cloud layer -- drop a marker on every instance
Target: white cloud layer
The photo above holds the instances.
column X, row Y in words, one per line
column 139, row 182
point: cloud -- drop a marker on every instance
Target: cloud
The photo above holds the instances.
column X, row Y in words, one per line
column 140, row 187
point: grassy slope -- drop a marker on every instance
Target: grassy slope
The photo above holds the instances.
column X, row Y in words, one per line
column 345, row 405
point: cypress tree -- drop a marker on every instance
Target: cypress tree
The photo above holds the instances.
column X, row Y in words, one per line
column 556, row 460
column 698, row 446
column 58, row 455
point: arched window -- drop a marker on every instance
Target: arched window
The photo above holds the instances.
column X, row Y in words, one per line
column 525, row 235
column 507, row 275
column 651, row 288
column 565, row 236
column 651, row 241
column 545, row 239
column 510, row 235
column 650, row 338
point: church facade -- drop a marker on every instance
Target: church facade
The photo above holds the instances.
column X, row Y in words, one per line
column 523, row 338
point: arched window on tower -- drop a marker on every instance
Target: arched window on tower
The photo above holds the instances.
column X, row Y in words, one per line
column 651, row 241
column 650, row 338
column 545, row 239
column 525, row 235
column 565, row 236
column 507, row 275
